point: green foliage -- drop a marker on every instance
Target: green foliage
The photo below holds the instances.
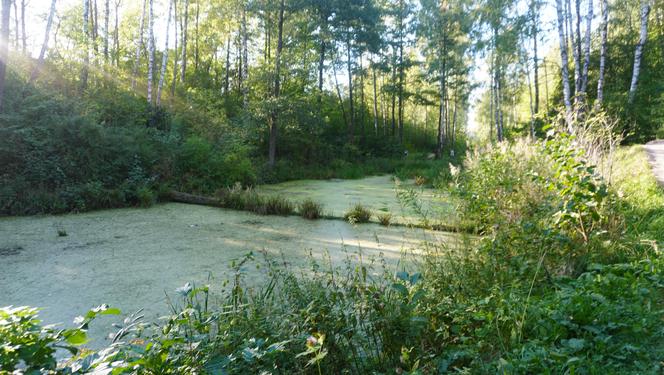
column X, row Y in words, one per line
column 310, row 210
column 358, row 214
column 28, row 347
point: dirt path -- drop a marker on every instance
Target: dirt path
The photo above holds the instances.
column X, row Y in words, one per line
column 655, row 150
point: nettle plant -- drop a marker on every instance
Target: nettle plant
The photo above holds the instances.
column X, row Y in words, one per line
column 581, row 191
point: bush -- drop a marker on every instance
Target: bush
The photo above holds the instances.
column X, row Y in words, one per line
column 358, row 214
column 310, row 210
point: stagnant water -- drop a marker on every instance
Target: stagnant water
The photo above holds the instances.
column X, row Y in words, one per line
column 134, row 258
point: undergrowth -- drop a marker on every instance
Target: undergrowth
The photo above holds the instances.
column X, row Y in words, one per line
column 562, row 280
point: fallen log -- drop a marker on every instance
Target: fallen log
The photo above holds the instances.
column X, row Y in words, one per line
column 177, row 196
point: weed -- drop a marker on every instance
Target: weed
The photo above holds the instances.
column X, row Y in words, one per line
column 357, row 214
column 384, row 219
column 311, row 210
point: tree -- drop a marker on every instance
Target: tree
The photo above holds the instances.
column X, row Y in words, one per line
column 150, row 49
column 604, row 28
column 564, row 69
column 164, row 58
column 4, row 48
column 638, row 51
column 185, row 23
column 42, row 52
column 139, row 44
column 273, row 118
column 86, row 45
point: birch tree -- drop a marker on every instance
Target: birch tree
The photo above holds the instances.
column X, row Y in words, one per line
column 564, row 69
column 86, row 45
column 42, row 52
column 586, row 51
column 638, row 52
column 604, row 28
column 164, row 57
column 150, row 49
column 139, row 44
column 185, row 26
column 4, row 48
column 273, row 117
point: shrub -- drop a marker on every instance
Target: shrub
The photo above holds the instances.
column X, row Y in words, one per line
column 357, row 214
column 385, row 219
column 311, row 210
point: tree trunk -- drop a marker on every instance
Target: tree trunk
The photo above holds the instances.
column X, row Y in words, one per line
column 139, row 43
column 24, row 40
column 375, row 99
column 535, row 61
column 185, row 26
column 499, row 109
column 4, row 48
column 244, row 68
column 17, row 35
column 604, row 29
column 228, row 66
column 563, row 65
column 86, row 45
column 174, row 82
column 272, row 152
column 164, row 57
column 150, row 49
column 42, row 52
column 107, row 14
column 341, row 100
column 196, row 57
column 177, row 196
column 351, row 124
column 638, row 52
column 95, row 30
column 401, row 71
column 362, row 107
column 586, row 51
column 394, row 96
column 321, row 62
column 442, row 116
column 577, row 52
column 382, row 104
column 116, row 35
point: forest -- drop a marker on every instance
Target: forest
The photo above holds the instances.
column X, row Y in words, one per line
column 342, row 186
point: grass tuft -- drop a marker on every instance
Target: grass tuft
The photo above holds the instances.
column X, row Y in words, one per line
column 310, row 210
column 358, row 214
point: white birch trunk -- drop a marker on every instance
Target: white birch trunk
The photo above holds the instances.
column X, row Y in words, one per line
column 42, row 52
column 604, row 28
column 164, row 57
column 139, row 43
column 107, row 15
column 185, row 26
column 586, row 50
column 150, row 49
column 244, row 68
column 638, row 53
column 564, row 69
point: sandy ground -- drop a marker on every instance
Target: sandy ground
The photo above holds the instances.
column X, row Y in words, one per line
column 655, row 150
column 379, row 193
column 132, row 258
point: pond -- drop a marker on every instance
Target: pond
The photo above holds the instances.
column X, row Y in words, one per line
column 134, row 258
